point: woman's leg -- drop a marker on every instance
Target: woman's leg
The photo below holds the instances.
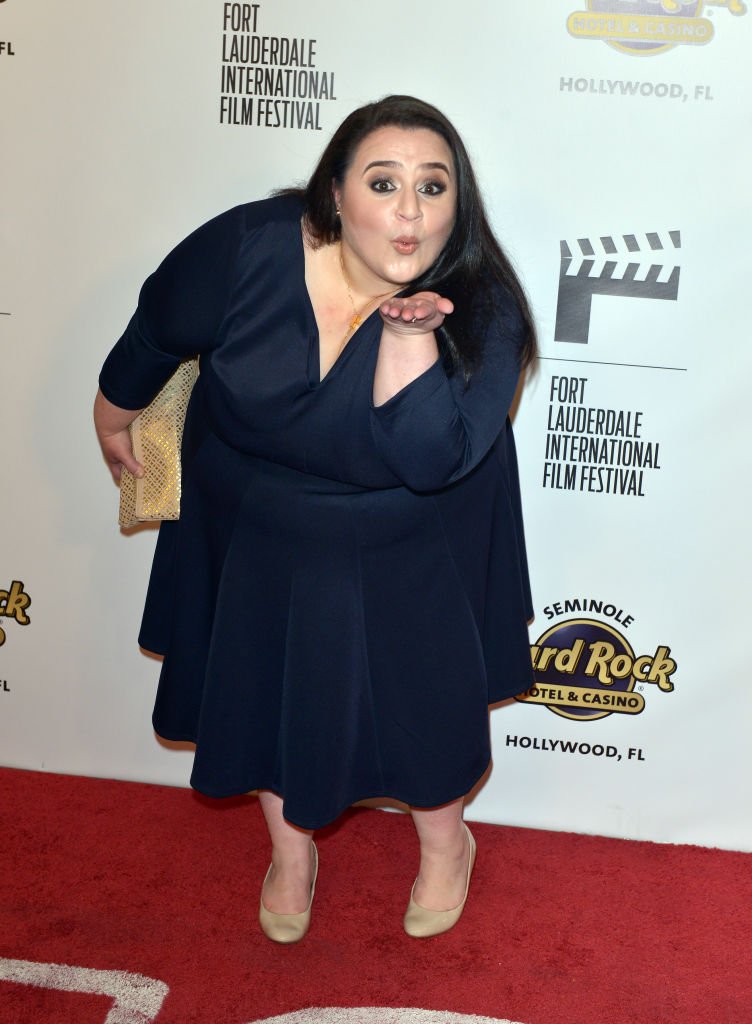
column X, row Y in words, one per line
column 287, row 890
column 444, row 856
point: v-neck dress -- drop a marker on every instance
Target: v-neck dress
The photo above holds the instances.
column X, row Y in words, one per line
column 346, row 589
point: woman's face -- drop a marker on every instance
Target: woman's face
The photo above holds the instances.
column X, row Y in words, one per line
column 397, row 207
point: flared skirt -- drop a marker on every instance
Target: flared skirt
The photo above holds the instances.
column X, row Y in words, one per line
column 321, row 640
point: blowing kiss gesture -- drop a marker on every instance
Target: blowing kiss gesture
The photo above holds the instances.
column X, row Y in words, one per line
column 416, row 314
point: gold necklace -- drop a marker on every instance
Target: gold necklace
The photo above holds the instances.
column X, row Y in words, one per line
column 357, row 318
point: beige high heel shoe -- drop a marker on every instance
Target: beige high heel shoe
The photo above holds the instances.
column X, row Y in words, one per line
column 288, row 927
column 421, row 923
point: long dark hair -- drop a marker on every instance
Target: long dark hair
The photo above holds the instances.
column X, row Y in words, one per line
column 472, row 267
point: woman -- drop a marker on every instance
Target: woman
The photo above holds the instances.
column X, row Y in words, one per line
column 346, row 590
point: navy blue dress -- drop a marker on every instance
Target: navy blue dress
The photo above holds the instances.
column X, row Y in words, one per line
column 346, row 590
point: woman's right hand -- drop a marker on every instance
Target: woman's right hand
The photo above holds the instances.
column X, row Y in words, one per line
column 111, row 423
column 421, row 313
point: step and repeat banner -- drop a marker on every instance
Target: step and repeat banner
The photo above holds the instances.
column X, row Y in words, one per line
column 610, row 138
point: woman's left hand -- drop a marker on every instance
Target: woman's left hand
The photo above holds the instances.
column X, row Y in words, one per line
column 111, row 424
column 415, row 314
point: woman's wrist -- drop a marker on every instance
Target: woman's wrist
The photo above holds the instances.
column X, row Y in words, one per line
column 110, row 419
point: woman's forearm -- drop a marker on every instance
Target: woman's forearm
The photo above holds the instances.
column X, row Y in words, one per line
column 401, row 359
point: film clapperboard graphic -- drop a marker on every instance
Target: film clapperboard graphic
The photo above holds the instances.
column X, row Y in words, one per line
column 637, row 266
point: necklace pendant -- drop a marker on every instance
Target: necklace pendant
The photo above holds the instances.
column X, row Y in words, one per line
column 355, row 322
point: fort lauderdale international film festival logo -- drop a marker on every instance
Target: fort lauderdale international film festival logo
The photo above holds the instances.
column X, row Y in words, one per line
column 585, row 668
column 634, row 266
column 648, row 27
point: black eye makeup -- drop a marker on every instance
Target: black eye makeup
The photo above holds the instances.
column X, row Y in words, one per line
column 433, row 188
column 384, row 185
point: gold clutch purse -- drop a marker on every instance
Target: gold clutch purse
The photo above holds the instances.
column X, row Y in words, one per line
column 157, row 433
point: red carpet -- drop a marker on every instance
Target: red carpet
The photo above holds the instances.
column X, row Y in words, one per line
column 148, row 895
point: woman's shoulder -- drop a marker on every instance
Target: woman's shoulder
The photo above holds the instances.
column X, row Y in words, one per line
column 277, row 209
column 248, row 217
column 220, row 238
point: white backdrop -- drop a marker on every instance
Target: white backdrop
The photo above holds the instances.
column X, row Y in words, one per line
column 609, row 138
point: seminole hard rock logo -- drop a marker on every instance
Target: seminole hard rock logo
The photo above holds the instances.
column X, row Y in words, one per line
column 648, row 27
column 13, row 605
column 585, row 669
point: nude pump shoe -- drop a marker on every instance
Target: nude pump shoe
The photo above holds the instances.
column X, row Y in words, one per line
column 288, row 927
column 421, row 923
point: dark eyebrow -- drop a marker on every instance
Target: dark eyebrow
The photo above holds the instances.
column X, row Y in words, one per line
column 432, row 166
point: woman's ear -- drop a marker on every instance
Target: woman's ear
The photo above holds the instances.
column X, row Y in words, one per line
column 336, row 195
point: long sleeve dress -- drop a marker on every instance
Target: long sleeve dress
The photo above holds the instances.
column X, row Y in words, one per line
column 346, row 589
